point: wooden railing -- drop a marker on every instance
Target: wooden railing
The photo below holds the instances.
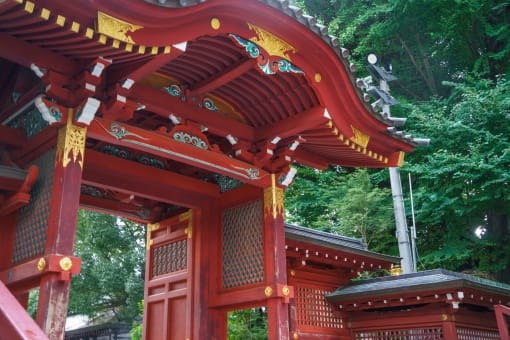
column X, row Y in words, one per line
column 15, row 323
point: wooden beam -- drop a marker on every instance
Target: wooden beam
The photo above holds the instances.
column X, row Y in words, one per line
column 163, row 146
column 111, row 207
column 223, row 77
column 138, row 72
column 163, row 104
column 23, row 53
column 104, row 171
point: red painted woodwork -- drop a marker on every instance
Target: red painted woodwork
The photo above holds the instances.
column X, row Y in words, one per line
column 168, row 285
column 15, row 323
column 163, row 186
column 502, row 315
column 54, row 287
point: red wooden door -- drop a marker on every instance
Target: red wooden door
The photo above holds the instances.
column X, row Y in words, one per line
column 167, row 310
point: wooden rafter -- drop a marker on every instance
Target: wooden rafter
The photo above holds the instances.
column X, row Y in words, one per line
column 163, row 104
column 26, row 54
column 223, row 77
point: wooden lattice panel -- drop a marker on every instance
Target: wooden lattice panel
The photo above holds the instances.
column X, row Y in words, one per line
column 313, row 310
column 243, row 247
column 169, row 258
column 464, row 333
column 32, row 222
column 402, row 334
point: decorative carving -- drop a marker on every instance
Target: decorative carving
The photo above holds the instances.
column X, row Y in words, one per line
column 174, row 90
column 150, row 161
column 359, row 137
column 116, row 28
column 209, row 104
column 273, row 199
column 118, row 131
column 65, row 264
column 41, row 264
column 271, row 43
column 71, row 142
column 267, row 64
column 186, row 138
column 116, row 151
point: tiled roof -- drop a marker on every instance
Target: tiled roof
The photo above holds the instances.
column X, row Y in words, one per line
column 433, row 279
column 339, row 242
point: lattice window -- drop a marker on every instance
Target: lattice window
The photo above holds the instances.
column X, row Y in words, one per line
column 313, row 310
column 243, row 247
column 477, row 334
column 32, row 222
column 402, row 334
column 169, row 258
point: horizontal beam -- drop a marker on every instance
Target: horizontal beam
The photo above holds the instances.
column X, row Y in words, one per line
column 30, row 270
column 163, row 146
column 164, row 104
column 109, row 172
column 125, row 210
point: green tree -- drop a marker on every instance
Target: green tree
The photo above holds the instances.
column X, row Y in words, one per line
column 247, row 324
column 112, row 274
column 345, row 202
column 463, row 179
column 426, row 41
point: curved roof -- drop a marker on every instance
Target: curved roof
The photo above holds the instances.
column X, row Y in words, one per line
column 258, row 71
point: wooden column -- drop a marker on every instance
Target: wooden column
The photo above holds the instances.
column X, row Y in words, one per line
column 65, row 193
column 449, row 327
column 277, row 290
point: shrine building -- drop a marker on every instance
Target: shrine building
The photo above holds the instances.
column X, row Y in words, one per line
column 188, row 116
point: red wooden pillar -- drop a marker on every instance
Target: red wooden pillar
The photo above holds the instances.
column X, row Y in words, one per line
column 275, row 263
column 65, row 196
column 449, row 328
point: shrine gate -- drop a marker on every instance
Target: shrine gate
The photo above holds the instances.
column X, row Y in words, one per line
column 185, row 116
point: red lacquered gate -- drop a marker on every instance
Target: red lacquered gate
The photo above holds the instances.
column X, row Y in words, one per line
column 168, row 305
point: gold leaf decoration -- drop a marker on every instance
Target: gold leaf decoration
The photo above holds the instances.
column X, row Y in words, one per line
column 271, row 43
column 359, row 137
column 116, row 28
column 71, row 143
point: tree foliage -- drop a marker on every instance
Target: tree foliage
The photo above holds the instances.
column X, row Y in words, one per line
column 343, row 202
column 112, row 272
column 452, row 61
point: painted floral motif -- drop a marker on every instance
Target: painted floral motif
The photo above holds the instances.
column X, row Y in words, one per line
column 208, row 103
column 267, row 64
column 174, row 90
column 186, row 138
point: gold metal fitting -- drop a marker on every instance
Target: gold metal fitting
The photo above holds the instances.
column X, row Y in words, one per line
column 268, row 291
column 215, row 23
column 66, row 264
column 41, row 264
column 285, row 291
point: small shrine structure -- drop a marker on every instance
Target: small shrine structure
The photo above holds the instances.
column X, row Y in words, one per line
column 433, row 304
